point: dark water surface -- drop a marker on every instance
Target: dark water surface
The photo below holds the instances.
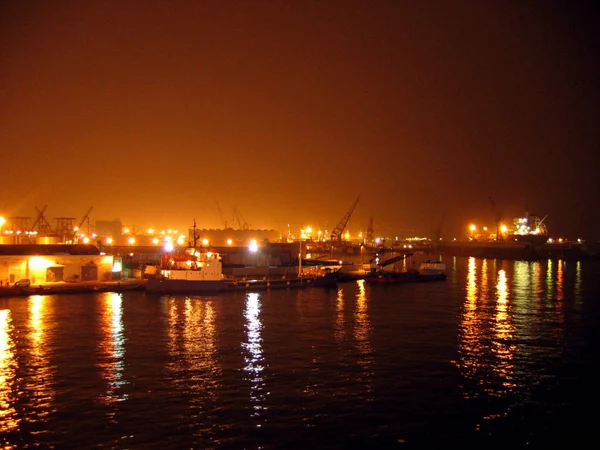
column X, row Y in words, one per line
column 501, row 355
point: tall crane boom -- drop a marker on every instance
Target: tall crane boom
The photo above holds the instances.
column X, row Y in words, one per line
column 225, row 224
column 240, row 219
column 336, row 234
column 85, row 217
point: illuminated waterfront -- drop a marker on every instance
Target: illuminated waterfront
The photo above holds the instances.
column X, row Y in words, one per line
column 501, row 354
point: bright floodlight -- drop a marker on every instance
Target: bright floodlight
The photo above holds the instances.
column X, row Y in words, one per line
column 253, row 246
column 168, row 246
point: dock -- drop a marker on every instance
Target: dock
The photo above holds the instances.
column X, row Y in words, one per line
column 80, row 287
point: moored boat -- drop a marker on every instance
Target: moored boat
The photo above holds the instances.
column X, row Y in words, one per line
column 189, row 271
column 201, row 271
column 428, row 271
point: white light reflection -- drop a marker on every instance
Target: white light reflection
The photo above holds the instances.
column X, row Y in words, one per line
column 41, row 372
column 361, row 334
column 9, row 420
column 112, row 349
column 254, row 353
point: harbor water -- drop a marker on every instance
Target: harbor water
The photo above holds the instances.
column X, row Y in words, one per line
column 500, row 355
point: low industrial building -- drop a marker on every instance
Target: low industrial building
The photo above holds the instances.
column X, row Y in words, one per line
column 43, row 264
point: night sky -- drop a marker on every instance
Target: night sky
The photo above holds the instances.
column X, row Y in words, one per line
column 155, row 111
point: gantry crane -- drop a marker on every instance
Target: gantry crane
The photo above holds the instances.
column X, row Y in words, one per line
column 336, row 234
column 43, row 227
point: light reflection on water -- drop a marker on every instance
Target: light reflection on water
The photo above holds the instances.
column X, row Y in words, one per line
column 9, row 420
column 201, row 372
column 502, row 345
column 111, row 349
column 508, row 326
column 253, row 355
column 362, row 331
column 339, row 327
column 191, row 333
column 577, row 288
column 42, row 372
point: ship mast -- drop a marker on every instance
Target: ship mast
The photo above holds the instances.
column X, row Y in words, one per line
column 195, row 235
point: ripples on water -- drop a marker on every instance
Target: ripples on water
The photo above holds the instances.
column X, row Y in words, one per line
column 501, row 354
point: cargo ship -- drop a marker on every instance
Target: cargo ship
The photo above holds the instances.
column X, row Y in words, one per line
column 524, row 240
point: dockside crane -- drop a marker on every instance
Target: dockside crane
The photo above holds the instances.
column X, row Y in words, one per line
column 225, row 223
column 85, row 217
column 240, row 219
column 336, row 234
